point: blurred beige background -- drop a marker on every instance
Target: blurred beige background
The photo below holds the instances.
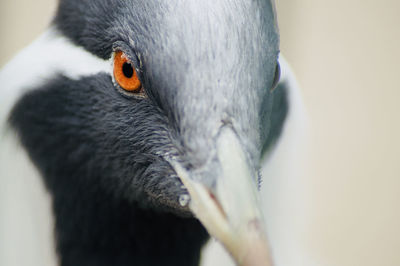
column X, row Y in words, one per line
column 346, row 54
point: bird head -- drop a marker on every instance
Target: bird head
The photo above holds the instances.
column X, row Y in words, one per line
column 178, row 121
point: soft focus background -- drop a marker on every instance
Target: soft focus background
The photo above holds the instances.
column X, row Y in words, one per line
column 346, row 54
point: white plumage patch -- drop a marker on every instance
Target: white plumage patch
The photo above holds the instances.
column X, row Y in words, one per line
column 281, row 186
column 26, row 223
column 49, row 55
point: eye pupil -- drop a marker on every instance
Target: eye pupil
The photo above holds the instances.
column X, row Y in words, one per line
column 127, row 69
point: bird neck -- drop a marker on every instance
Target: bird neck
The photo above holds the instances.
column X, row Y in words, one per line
column 93, row 229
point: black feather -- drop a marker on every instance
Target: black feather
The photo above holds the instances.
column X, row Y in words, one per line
column 115, row 198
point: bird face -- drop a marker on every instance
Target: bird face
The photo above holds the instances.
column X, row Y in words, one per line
column 177, row 123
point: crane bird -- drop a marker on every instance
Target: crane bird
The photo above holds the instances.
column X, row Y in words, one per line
column 146, row 122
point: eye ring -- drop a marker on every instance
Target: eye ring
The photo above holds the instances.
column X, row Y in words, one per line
column 125, row 74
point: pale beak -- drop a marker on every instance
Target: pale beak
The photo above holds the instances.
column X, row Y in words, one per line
column 231, row 210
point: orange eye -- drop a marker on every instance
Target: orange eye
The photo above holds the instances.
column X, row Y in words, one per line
column 125, row 74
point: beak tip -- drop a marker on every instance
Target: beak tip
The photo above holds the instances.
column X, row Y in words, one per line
column 253, row 249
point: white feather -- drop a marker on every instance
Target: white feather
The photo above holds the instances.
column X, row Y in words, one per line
column 281, row 187
column 46, row 57
column 26, row 224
